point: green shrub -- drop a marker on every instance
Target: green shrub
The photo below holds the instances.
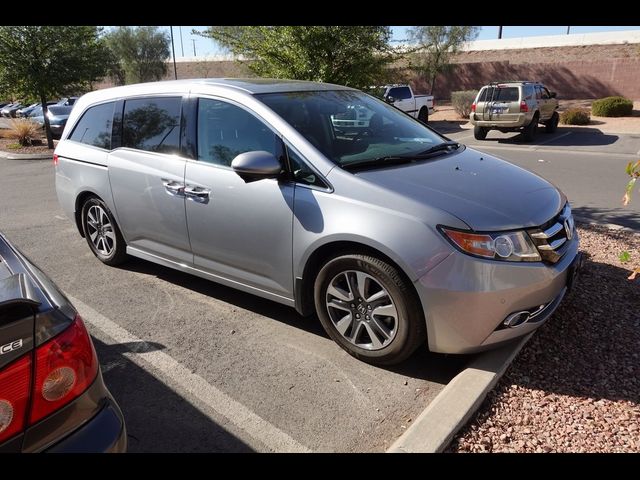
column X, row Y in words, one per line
column 462, row 101
column 575, row 116
column 612, row 107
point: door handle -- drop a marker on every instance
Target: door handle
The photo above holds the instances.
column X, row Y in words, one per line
column 173, row 188
column 198, row 194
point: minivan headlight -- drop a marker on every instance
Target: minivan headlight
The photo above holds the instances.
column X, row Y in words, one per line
column 510, row 246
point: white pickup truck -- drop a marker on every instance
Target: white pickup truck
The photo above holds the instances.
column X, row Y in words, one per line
column 402, row 97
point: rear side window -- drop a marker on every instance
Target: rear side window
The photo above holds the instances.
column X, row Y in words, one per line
column 152, row 124
column 94, row 127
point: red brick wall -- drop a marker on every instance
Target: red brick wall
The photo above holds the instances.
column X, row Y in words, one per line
column 570, row 79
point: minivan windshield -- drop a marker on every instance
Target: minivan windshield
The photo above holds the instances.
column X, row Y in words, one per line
column 352, row 128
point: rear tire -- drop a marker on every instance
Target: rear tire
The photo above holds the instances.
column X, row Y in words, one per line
column 552, row 124
column 102, row 232
column 349, row 290
column 423, row 115
column 480, row 133
column 530, row 131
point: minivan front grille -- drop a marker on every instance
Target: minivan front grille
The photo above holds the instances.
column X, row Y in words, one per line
column 553, row 238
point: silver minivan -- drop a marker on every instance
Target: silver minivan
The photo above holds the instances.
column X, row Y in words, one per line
column 392, row 234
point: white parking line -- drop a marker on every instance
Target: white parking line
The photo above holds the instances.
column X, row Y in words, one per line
column 533, row 147
column 181, row 379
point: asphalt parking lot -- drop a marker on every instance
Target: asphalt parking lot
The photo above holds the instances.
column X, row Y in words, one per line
column 198, row 367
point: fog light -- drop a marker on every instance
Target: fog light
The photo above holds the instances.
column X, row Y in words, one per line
column 58, row 383
column 503, row 246
column 6, row 414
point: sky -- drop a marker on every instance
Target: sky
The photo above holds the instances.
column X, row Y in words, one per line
column 185, row 41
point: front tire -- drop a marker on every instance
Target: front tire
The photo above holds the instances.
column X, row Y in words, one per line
column 552, row 124
column 367, row 307
column 102, row 232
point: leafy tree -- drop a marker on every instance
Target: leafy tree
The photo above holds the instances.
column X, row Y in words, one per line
column 50, row 61
column 436, row 44
column 347, row 55
column 138, row 54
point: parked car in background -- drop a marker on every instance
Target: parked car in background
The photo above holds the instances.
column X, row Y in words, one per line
column 52, row 395
column 26, row 111
column 402, row 97
column 10, row 110
column 397, row 237
column 512, row 107
column 67, row 101
column 58, row 116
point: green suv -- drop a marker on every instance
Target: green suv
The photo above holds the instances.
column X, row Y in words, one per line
column 514, row 106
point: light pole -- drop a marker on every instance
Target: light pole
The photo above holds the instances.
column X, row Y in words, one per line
column 500, row 31
column 568, row 28
column 181, row 45
column 194, row 46
column 173, row 51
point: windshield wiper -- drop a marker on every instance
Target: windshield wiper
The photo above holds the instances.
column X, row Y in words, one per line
column 439, row 147
column 380, row 162
column 400, row 159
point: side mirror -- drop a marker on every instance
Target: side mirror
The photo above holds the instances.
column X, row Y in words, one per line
column 256, row 165
column 390, row 99
column 553, row 94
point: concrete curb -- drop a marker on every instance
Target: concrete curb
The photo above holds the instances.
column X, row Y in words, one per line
column 436, row 426
column 26, row 156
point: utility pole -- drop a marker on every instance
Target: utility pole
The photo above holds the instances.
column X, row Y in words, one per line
column 181, row 45
column 194, row 47
column 568, row 28
column 500, row 31
column 173, row 51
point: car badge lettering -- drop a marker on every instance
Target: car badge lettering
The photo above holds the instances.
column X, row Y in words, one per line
column 11, row 346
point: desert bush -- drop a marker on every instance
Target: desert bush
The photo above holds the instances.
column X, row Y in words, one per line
column 575, row 116
column 462, row 100
column 23, row 131
column 612, row 107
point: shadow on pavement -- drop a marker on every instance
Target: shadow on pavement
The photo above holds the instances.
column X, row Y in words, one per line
column 424, row 365
column 582, row 137
column 619, row 216
column 157, row 418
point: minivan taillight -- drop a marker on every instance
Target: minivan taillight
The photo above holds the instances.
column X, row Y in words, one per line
column 65, row 367
column 523, row 106
column 473, row 107
column 15, row 383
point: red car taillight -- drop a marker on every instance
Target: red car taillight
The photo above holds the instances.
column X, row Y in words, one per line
column 55, row 160
column 523, row 106
column 65, row 367
column 473, row 107
column 15, row 384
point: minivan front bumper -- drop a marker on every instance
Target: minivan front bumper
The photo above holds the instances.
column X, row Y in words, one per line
column 467, row 299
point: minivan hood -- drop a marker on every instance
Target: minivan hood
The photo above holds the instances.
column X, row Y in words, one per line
column 483, row 191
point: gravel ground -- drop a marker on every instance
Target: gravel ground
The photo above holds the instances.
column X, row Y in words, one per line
column 575, row 387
